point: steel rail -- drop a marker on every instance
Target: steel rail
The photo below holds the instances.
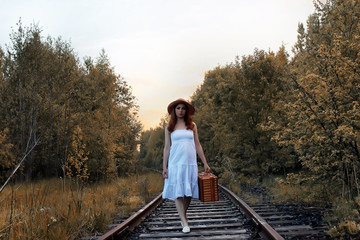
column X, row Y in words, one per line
column 132, row 222
column 265, row 230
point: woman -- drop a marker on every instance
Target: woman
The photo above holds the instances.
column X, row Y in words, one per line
column 181, row 145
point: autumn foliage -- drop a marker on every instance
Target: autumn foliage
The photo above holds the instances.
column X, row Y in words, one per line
column 79, row 116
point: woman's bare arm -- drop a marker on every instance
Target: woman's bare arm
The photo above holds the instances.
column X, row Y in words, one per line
column 199, row 149
column 166, row 152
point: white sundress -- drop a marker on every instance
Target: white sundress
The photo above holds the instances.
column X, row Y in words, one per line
column 182, row 166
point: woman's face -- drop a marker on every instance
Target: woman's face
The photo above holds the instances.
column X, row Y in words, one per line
column 180, row 110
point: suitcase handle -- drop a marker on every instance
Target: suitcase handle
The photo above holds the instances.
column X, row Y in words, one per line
column 207, row 172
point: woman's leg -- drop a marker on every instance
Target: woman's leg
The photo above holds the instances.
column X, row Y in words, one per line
column 180, row 206
column 187, row 201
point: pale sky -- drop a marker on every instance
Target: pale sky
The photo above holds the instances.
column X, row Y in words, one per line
column 162, row 47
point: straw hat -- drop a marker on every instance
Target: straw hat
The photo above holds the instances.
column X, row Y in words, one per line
column 190, row 108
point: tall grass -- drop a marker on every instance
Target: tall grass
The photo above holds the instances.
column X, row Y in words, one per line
column 58, row 209
column 294, row 189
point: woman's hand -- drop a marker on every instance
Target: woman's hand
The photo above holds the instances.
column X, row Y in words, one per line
column 165, row 173
column 207, row 168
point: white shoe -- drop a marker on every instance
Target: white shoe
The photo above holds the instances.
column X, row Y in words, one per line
column 186, row 229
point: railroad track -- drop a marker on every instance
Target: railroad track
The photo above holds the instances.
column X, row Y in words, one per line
column 228, row 218
column 293, row 221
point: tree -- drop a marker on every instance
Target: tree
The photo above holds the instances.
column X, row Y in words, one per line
column 324, row 112
column 76, row 163
column 152, row 146
column 235, row 106
column 46, row 91
column 7, row 159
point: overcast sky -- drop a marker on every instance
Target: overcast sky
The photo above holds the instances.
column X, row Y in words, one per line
column 162, row 47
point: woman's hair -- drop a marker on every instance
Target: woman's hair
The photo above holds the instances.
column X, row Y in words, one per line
column 173, row 119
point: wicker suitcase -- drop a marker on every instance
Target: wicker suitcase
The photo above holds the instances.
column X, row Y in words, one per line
column 208, row 187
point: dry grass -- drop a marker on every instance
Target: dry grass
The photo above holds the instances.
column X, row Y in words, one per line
column 57, row 209
column 293, row 189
